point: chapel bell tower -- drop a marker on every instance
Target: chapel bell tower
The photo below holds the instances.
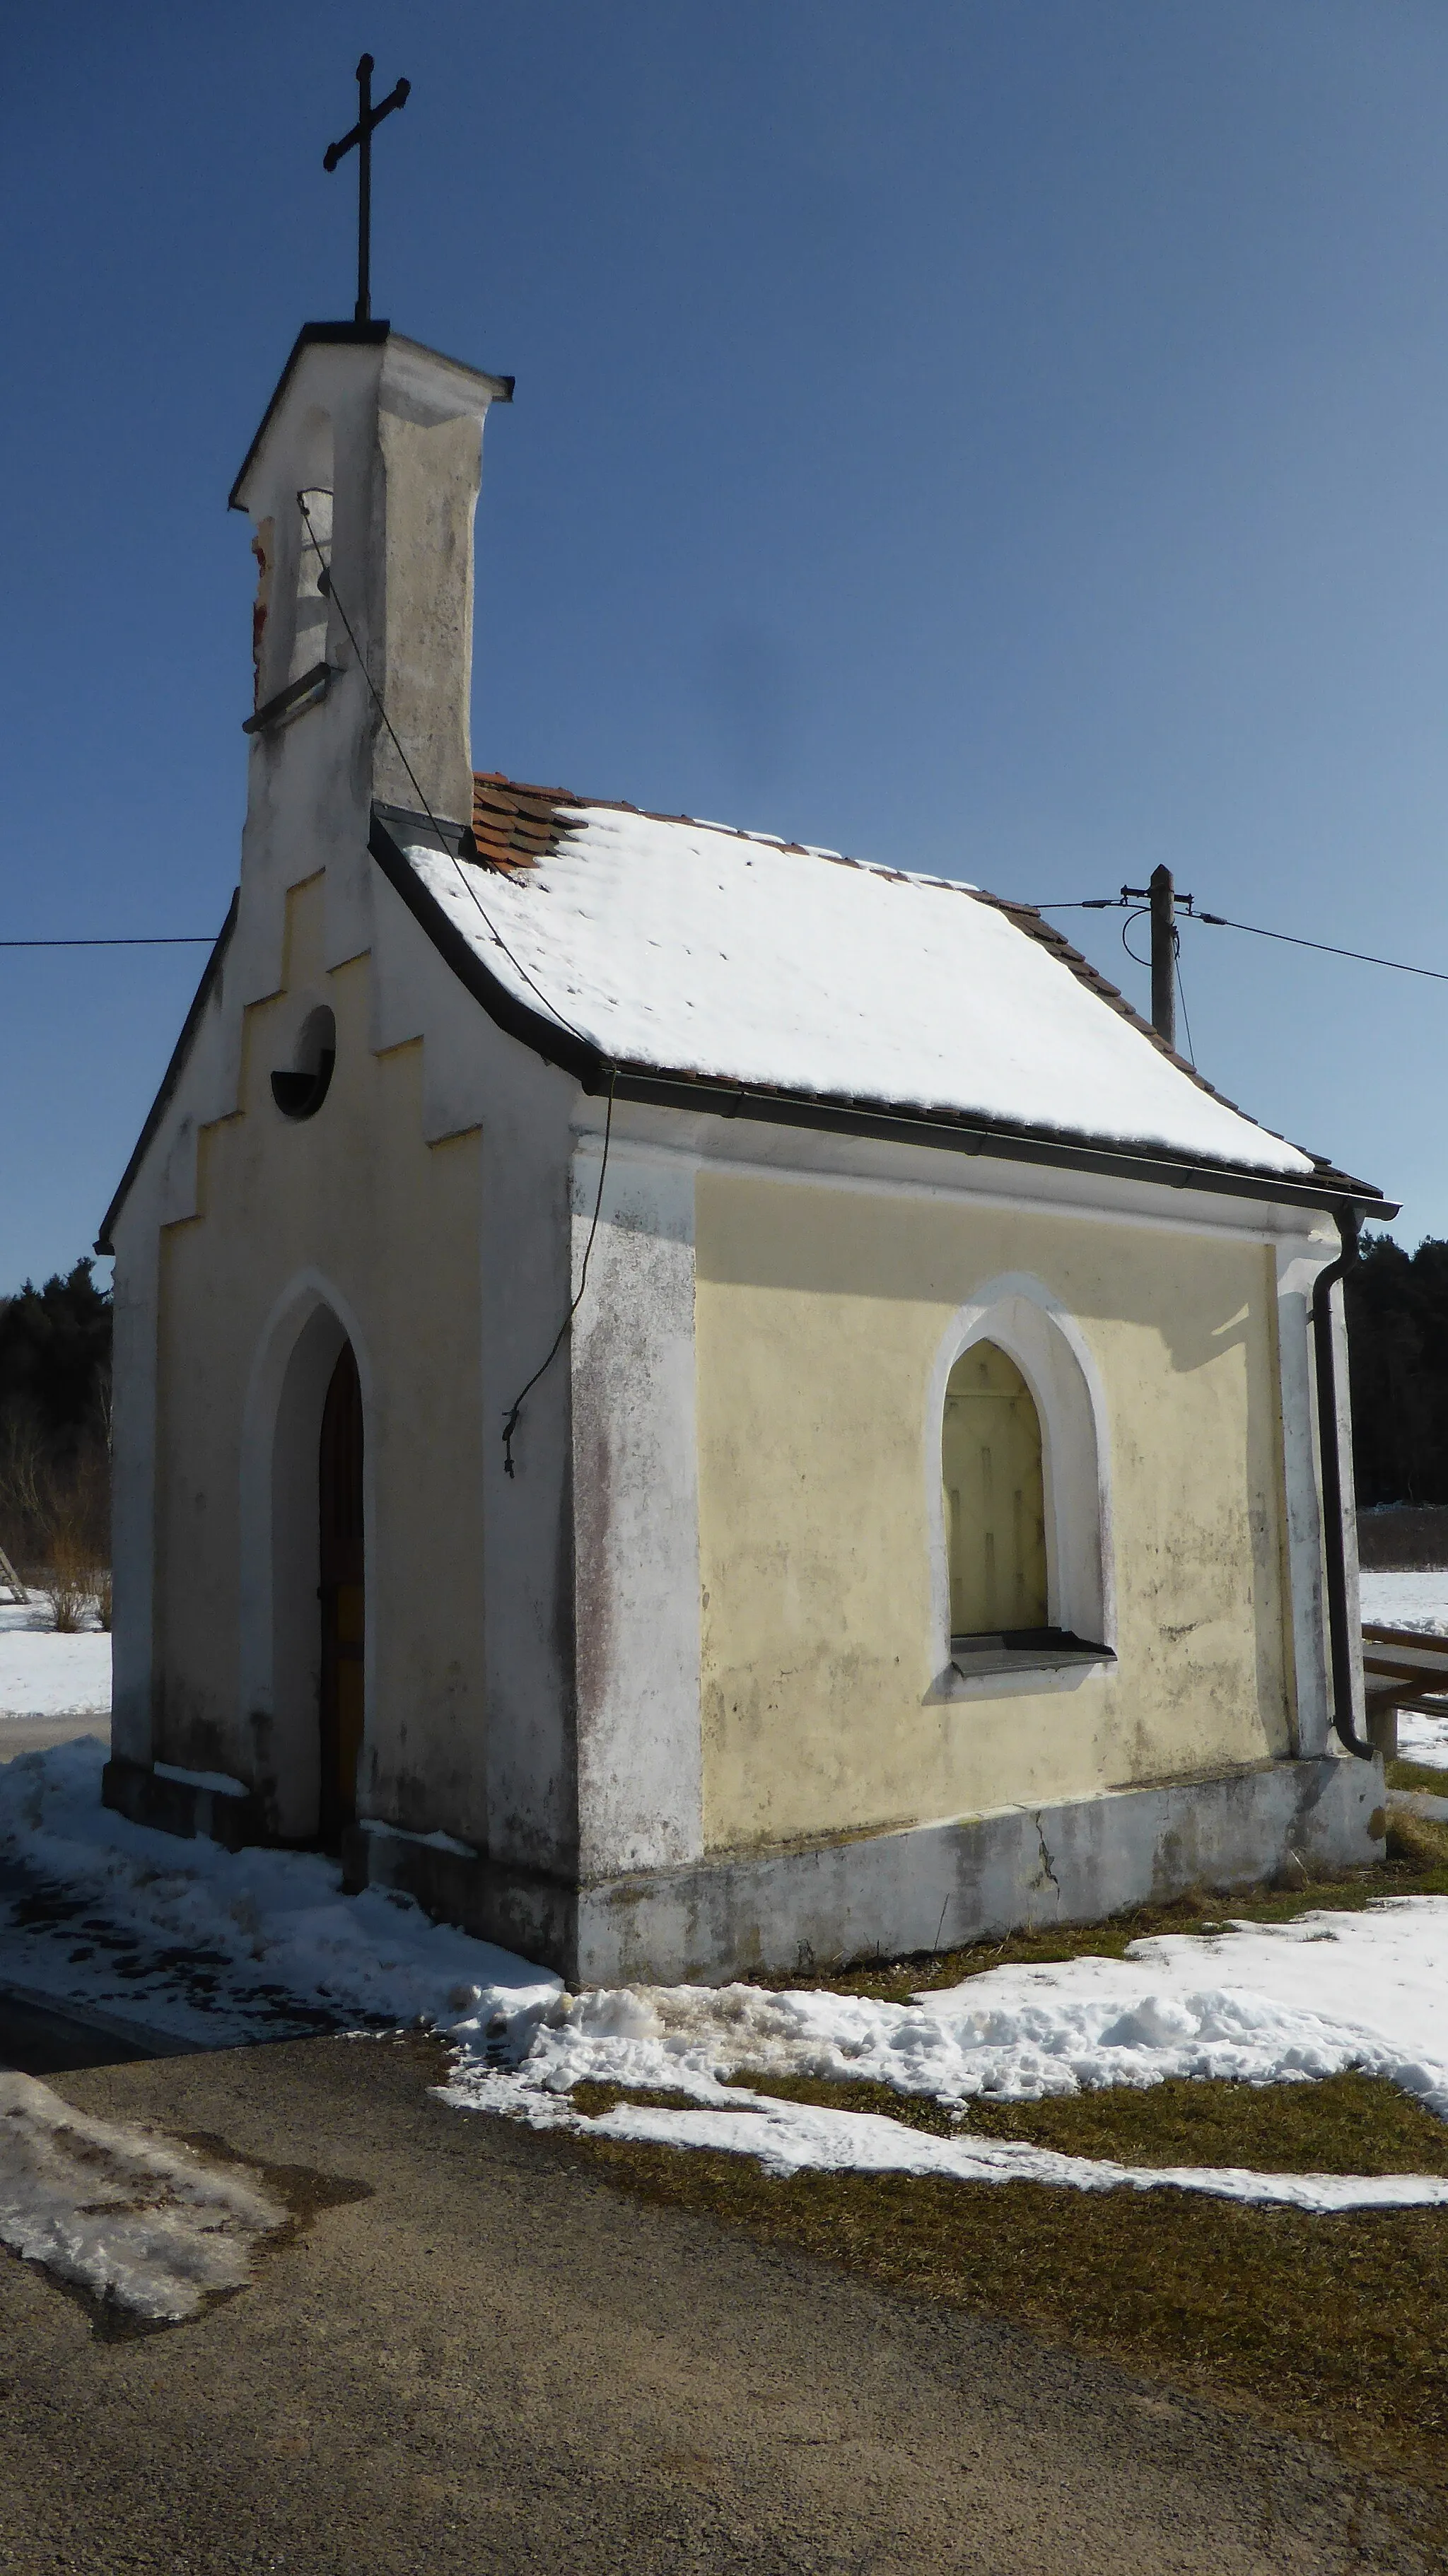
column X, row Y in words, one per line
column 361, row 485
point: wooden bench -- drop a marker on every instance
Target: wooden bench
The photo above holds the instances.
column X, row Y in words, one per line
column 1401, row 1669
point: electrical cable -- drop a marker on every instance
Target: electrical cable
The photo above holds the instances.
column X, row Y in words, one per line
column 1182, row 995
column 328, row 589
column 1139, row 915
column 510, row 1422
column 1219, row 921
column 1080, row 903
column 1360, row 956
column 167, row 939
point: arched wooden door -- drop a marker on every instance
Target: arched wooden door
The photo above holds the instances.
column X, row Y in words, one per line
column 343, row 1600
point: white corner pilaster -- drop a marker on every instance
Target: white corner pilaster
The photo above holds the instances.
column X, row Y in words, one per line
column 1298, row 1264
column 636, row 1505
column 134, row 1375
column 1343, row 1429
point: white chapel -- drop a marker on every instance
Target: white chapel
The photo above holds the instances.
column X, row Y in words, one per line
column 693, row 1403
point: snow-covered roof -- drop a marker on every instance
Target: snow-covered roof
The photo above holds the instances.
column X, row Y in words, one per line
column 690, row 949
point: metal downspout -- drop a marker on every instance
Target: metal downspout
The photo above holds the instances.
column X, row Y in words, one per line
column 1328, row 1448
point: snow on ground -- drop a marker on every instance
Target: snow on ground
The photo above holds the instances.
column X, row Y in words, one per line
column 43, row 1675
column 222, row 1947
column 1423, row 1739
column 1260, row 2004
column 213, row 1946
column 790, row 2137
column 145, row 2224
column 1407, row 1600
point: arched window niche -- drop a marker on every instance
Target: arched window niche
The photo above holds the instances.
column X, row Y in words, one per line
column 993, row 1493
column 292, row 624
column 1019, row 1491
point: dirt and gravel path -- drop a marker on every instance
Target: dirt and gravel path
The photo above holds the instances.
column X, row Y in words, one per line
column 493, row 2361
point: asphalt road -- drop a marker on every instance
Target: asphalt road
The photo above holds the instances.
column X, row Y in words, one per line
column 487, row 2359
column 38, row 1734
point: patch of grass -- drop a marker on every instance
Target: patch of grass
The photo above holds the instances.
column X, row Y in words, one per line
column 1420, row 1841
column 1336, row 2326
column 1344, row 2124
column 594, row 2099
column 1417, row 1775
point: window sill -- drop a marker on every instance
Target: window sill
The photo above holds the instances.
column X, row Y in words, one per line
column 306, row 692
column 1022, row 1654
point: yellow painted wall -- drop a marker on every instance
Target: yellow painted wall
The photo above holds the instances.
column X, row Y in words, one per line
column 820, row 1313
column 393, row 1223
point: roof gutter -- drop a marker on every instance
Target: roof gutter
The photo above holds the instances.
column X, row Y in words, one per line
column 1329, row 1449
column 965, row 1135
column 708, row 1096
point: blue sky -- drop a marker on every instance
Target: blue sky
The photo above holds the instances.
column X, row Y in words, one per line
column 1009, row 441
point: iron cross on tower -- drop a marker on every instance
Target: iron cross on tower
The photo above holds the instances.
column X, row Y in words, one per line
column 368, row 119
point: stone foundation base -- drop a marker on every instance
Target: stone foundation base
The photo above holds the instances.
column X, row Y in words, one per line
column 825, row 1904
column 179, row 1807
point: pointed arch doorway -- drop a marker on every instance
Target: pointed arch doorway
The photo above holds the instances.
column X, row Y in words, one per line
column 343, row 1600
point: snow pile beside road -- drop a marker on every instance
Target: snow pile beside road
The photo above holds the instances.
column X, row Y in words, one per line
column 136, row 2221
column 1257, row 2004
column 45, row 1675
column 1254, row 2004
column 215, row 1946
column 221, row 1947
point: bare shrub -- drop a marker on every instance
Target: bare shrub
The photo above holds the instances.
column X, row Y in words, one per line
column 55, row 1508
column 66, row 1586
column 58, row 1508
column 25, row 1486
column 80, row 1503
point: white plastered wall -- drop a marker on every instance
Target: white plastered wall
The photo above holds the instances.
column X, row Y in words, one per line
column 133, row 1474
column 1283, row 1546
column 471, row 1080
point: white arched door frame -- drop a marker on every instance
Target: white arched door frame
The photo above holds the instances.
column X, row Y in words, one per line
column 280, row 1629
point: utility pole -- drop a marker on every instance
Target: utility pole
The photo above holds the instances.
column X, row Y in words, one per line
column 1163, row 954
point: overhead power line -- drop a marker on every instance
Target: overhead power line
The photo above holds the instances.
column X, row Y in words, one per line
column 1076, row 903
column 1219, row 921
column 1361, row 956
column 164, row 939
